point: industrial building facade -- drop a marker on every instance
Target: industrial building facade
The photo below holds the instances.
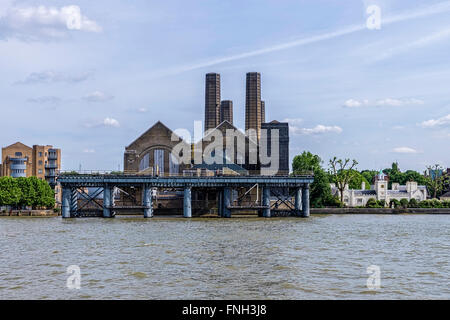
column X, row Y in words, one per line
column 151, row 153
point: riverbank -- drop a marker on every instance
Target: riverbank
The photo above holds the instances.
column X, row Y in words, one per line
column 380, row 211
column 313, row 211
column 29, row 213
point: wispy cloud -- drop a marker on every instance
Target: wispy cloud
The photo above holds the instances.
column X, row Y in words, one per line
column 88, row 151
column 53, row 77
column 107, row 122
column 45, row 99
column 404, row 16
column 319, row 129
column 98, row 96
column 404, row 150
column 440, row 122
column 387, row 102
column 439, row 36
column 38, row 23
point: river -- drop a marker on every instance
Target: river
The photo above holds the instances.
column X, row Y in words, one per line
column 322, row 257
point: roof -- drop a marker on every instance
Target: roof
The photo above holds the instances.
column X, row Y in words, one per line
column 17, row 144
column 158, row 123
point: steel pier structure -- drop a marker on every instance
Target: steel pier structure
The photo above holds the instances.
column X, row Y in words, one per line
column 73, row 186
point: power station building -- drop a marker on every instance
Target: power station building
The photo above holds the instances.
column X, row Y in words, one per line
column 151, row 153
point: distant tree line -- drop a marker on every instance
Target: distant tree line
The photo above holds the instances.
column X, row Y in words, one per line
column 343, row 172
column 26, row 192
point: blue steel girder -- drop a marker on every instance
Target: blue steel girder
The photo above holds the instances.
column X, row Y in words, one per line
column 182, row 182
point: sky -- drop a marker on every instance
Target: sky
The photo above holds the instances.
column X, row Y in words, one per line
column 89, row 77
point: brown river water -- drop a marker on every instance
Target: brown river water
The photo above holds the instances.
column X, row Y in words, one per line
column 322, row 257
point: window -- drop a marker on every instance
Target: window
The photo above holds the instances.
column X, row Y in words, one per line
column 40, row 171
column 159, row 161
column 40, row 162
column 145, row 162
column 18, row 154
column 40, row 154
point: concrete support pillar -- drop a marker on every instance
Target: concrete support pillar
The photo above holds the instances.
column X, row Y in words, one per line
column 298, row 202
column 107, row 195
column 65, row 210
column 187, row 205
column 305, row 201
column 226, row 212
column 147, row 202
column 266, row 201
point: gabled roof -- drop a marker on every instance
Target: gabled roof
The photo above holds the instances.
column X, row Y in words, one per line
column 18, row 144
column 158, row 123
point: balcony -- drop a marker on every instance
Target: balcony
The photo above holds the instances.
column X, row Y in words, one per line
column 51, row 166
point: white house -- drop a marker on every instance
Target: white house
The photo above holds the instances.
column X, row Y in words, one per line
column 380, row 191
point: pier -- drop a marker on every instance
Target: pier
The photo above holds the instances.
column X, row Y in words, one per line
column 294, row 187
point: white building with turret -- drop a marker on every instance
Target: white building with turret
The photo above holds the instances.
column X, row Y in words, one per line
column 380, row 191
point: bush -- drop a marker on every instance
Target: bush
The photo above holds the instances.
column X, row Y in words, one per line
column 394, row 203
column 413, row 203
column 436, row 203
column 381, row 203
column 372, row 203
column 404, row 203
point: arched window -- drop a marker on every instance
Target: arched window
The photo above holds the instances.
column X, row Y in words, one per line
column 159, row 161
column 145, row 162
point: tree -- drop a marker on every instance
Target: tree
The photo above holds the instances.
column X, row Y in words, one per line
column 342, row 175
column 28, row 194
column 435, row 180
column 369, row 175
column 10, row 192
column 320, row 191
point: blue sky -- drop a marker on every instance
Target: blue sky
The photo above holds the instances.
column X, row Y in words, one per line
column 92, row 85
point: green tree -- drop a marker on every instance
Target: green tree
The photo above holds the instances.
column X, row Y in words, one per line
column 342, row 174
column 28, row 192
column 320, row 191
column 10, row 192
column 435, row 182
column 369, row 175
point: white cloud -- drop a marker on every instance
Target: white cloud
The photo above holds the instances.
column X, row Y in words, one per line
column 36, row 23
column 319, row 129
column 352, row 103
column 107, row 122
column 387, row 102
column 88, row 151
column 142, row 110
column 404, row 150
column 53, row 77
column 293, row 121
column 110, row 122
column 443, row 121
column 97, row 96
